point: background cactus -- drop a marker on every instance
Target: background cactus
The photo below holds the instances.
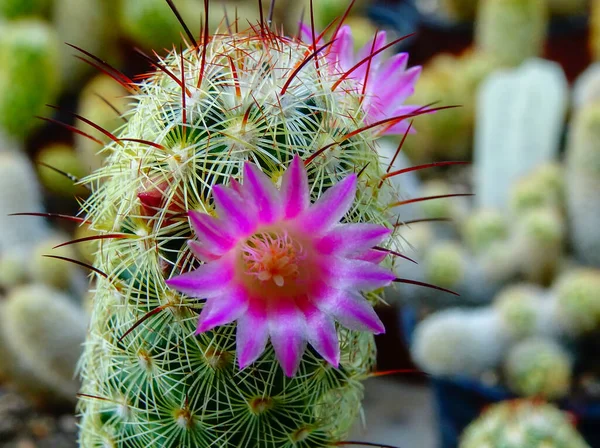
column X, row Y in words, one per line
column 577, row 296
column 11, row 9
column 583, row 184
column 539, row 368
column 148, row 380
column 511, row 30
column 29, row 73
column 63, row 158
column 42, row 357
column 522, row 423
column 459, row 342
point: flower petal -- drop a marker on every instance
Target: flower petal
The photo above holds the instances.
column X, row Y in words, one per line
column 208, row 280
column 287, row 328
column 201, row 252
column 294, row 189
column 222, row 310
column 233, row 211
column 209, row 231
column 371, row 255
column 329, row 208
column 252, row 333
column 353, row 274
column 342, row 49
column 321, row 332
column 263, row 192
column 345, row 239
column 350, row 310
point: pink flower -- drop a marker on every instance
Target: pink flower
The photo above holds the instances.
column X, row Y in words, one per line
column 389, row 82
column 285, row 268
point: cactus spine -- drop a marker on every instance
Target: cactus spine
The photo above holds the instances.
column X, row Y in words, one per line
column 148, row 379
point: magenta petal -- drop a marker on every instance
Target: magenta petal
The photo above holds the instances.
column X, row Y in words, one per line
column 222, row 310
column 263, row 192
column 368, row 49
column 344, row 273
column 321, row 333
column 294, row 189
column 233, row 211
column 287, row 328
column 202, row 252
column 252, row 333
column 350, row 310
column 208, row 280
column 329, row 208
column 345, row 239
column 371, row 255
column 209, row 231
column 342, row 49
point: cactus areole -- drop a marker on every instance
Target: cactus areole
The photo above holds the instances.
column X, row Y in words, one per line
column 245, row 218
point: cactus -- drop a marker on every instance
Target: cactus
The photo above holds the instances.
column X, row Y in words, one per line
column 594, row 42
column 543, row 187
column 538, row 244
column 28, row 74
column 511, row 30
column 11, row 9
column 484, row 228
column 43, row 356
column 583, row 184
column 577, row 296
column 521, row 309
column 459, row 342
column 445, row 265
column 19, row 192
column 63, row 158
column 538, row 367
column 519, row 424
column 240, row 107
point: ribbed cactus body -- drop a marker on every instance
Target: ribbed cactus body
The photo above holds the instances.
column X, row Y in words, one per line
column 148, row 380
column 511, row 30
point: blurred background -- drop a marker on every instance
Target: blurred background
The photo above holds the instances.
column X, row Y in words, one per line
column 523, row 252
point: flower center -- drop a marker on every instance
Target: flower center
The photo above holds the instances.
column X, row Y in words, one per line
column 273, row 257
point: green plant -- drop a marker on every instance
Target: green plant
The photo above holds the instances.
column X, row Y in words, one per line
column 577, row 300
column 539, row 367
column 522, row 423
column 511, row 30
column 42, row 357
column 283, row 125
column 29, row 77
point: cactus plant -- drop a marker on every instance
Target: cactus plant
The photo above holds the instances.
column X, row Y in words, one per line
column 241, row 109
column 539, row 367
column 49, row 271
column 522, row 423
column 511, row 30
column 484, row 228
column 43, row 357
column 19, row 192
column 577, row 296
column 538, row 244
column 583, row 183
column 520, row 306
column 11, row 9
column 29, row 77
column 543, row 187
column 459, row 342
